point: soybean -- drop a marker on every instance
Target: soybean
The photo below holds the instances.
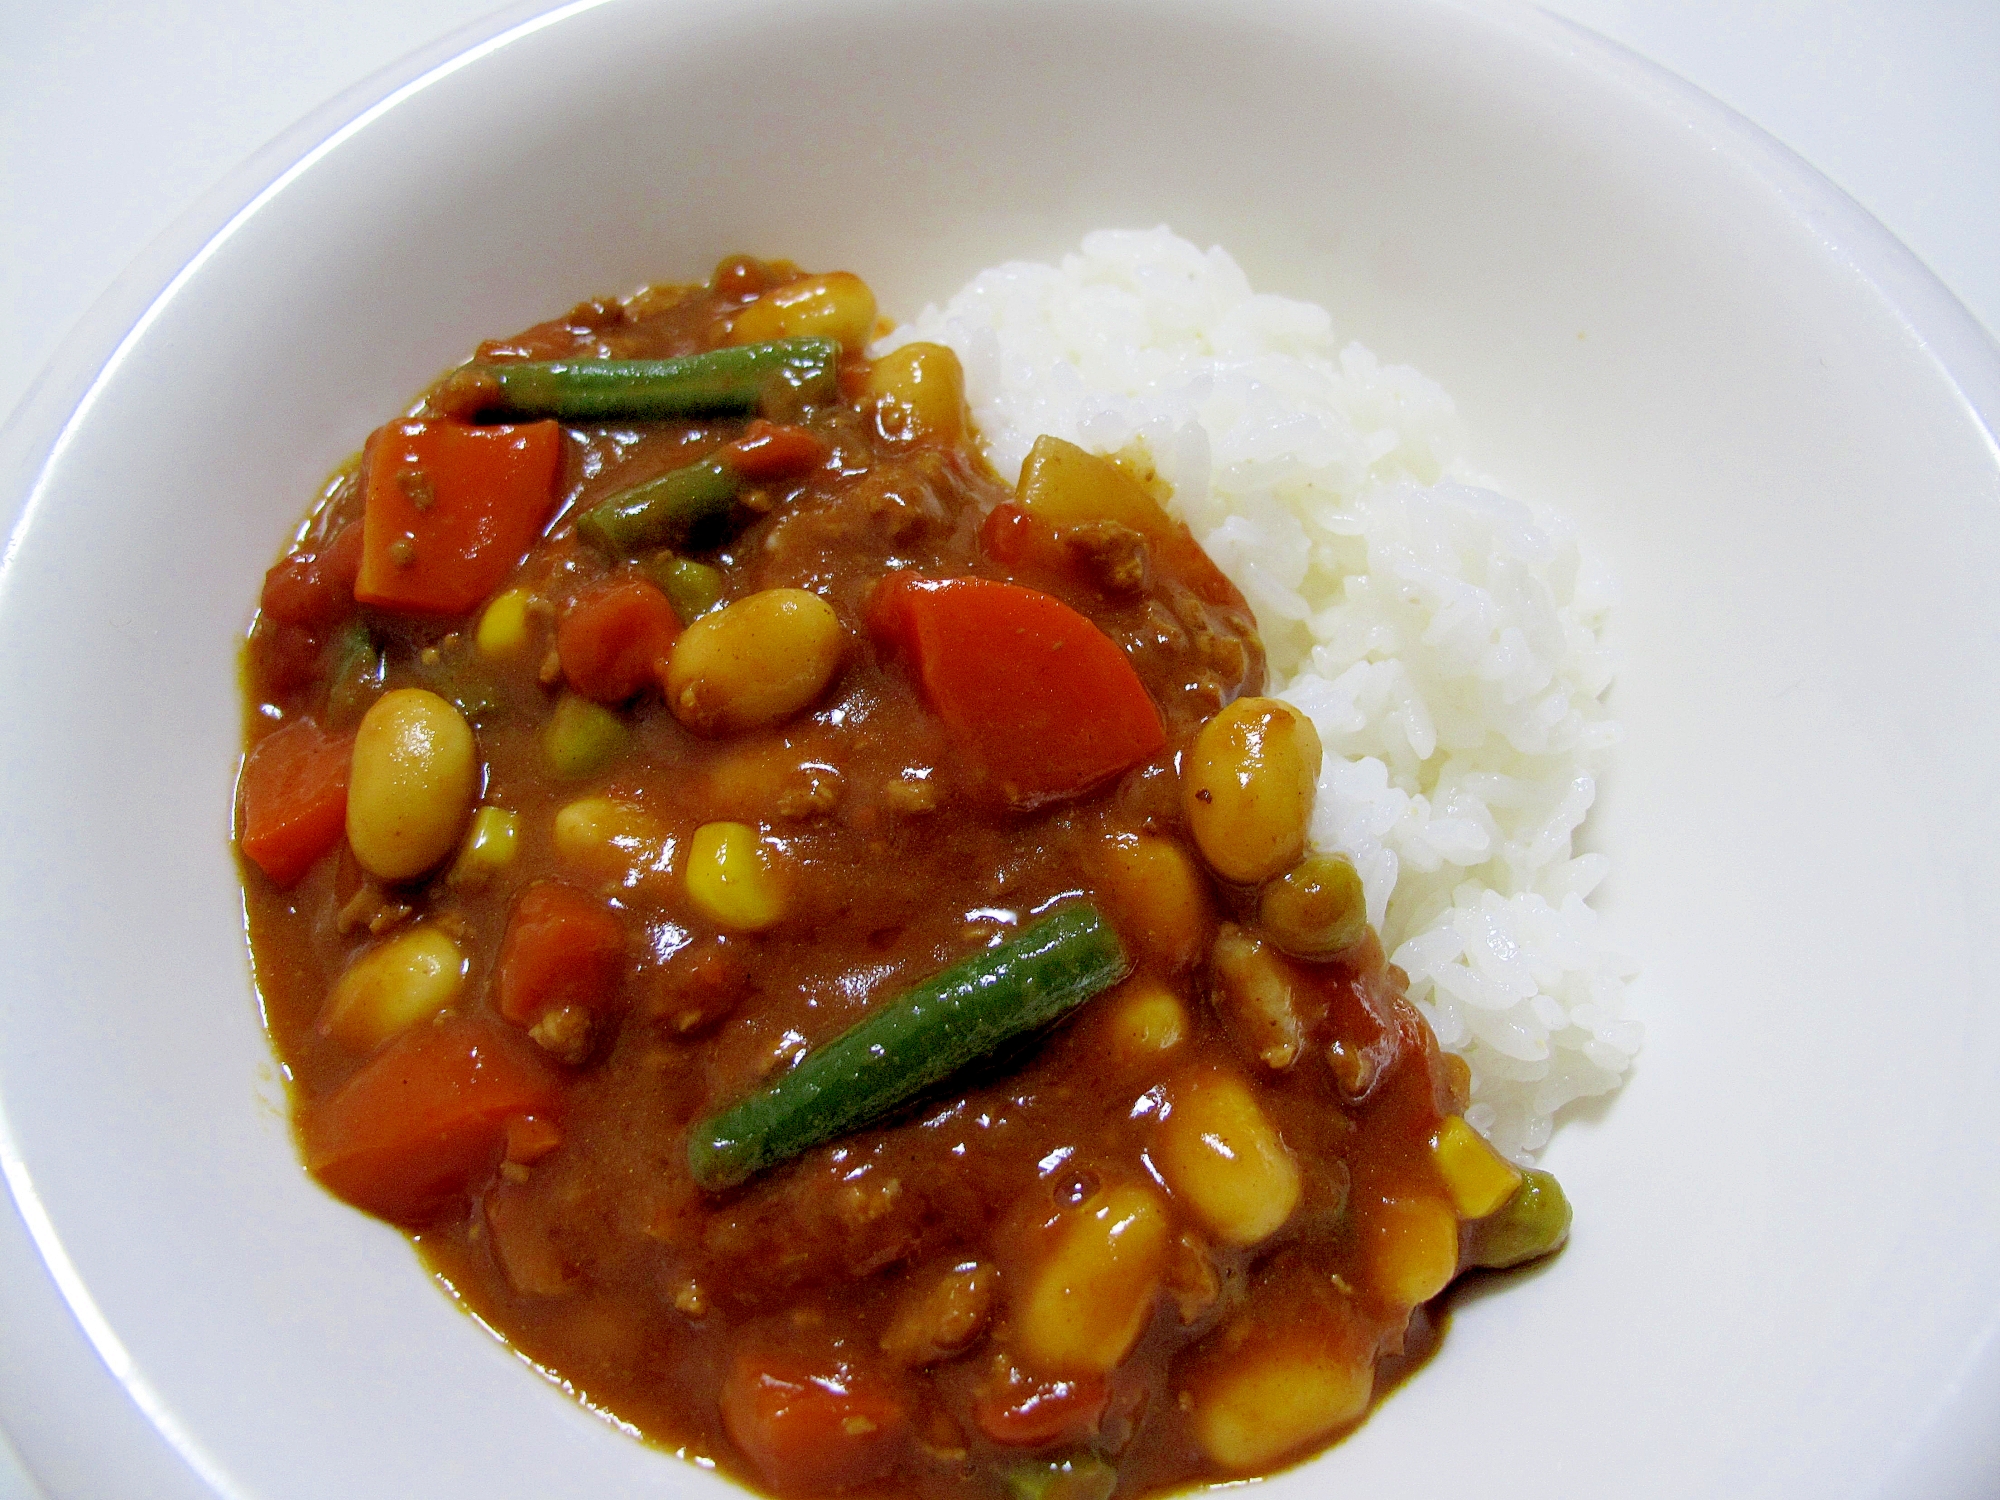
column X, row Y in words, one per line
column 414, row 776
column 755, row 663
column 1247, row 788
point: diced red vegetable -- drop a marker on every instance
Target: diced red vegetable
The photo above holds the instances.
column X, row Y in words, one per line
column 811, row 1427
column 294, row 798
column 1026, row 1411
column 614, row 642
column 1041, row 699
column 451, row 508
column 768, row 450
column 561, row 948
column 410, row 1134
column 1017, row 538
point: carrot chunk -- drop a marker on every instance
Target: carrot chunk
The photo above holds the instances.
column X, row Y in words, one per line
column 811, row 1427
column 450, row 508
column 1037, row 696
column 769, row 450
column 294, row 799
column 561, row 948
column 614, row 642
column 414, row 1130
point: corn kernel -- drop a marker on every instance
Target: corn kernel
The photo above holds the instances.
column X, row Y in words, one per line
column 503, row 625
column 733, row 879
column 1478, row 1178
column 1413, row 1250
column 1222, row 1156
column 1146, row 1020
column 1158, row 898
column 489, row 847
column 1091, row 1297
column 392, row 986
column 611, row 840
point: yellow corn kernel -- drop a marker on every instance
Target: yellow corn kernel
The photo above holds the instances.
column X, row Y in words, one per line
column 1146, row 1020
column 1089, row 1300
column 1478, row 1178
column 489, row 847
column 611, row 840
column 837, row 305
column 1223, row 1158
column 1158, row 898
column 733, row 879
column 918, row 392
column 1274, row 1397
column 503, row 625
column 392, row 986
column 1413, row 1249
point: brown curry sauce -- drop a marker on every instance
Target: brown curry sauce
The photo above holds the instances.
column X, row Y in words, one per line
column 891, row 1268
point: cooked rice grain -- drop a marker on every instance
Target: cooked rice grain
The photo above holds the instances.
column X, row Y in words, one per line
column 1446, row 641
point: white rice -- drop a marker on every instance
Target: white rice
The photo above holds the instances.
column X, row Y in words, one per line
column 1446, row 641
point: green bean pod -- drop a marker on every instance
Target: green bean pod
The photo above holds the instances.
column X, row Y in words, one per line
column 663, row 512
column 912, row 1044
column 720, row 382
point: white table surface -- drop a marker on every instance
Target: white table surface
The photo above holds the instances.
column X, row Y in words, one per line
column 117, row 115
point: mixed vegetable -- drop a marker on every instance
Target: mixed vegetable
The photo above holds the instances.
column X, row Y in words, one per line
column 822, row 946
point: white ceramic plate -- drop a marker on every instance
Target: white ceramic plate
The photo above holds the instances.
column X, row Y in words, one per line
column 1776, row 428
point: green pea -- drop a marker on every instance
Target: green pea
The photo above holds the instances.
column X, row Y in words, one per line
column 1317, row 909
column 1534, row 1222
column 582, row 738
column 1084, row 1478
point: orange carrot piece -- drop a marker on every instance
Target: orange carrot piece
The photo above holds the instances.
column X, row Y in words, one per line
column 294, row 787
column 451, row 508
column 411, row 1133
column 810, row 1428
column 768, row 450
column 614, row 642
column 1017, row 538
column 1039, row 698
column 561, row 948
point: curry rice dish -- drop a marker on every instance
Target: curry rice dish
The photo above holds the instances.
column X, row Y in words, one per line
column 821, row 947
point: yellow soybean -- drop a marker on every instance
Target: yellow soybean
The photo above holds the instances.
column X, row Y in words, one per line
column 1247, row 788
column 756, row 662
column 1223, row 1158
column 391, row 987
column 1091, row 1297
column 415, row 773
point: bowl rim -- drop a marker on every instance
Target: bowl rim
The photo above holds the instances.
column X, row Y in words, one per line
column 50, row 1315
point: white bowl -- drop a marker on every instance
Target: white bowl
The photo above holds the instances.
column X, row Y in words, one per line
column 1770, row 421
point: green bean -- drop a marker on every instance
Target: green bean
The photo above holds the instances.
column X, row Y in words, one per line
column 693, row 588
column 1534, row 1222
column 663, row 512
column 911, row 1044
column 721, row 382
column 358, row 670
